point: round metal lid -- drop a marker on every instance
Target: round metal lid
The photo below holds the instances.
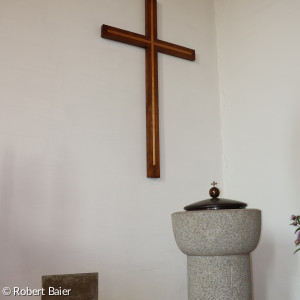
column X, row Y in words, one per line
column 215, row 202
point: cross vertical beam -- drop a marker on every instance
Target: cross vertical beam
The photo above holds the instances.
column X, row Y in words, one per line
column 152, row 46
column 152, row 115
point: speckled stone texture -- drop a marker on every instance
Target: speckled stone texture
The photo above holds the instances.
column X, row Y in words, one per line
column 217, row 232
column 219, row 277
column 218, row 244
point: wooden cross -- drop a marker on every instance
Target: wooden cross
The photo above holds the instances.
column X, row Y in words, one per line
column 152, row 46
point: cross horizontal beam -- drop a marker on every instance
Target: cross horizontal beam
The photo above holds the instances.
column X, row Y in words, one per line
column 139, row 40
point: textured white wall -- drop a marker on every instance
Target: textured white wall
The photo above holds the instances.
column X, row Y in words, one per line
column 74, row 192
column 259, row 59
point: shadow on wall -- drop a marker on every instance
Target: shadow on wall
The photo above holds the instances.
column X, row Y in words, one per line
column 263, row 265
column 6, row 190
column 34, row 203
column 294, row 157
column 262, row 260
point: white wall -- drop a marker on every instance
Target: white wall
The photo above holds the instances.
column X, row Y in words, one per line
column 74, row 192
column 259, row 59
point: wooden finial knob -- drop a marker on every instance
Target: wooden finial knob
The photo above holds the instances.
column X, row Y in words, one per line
column 214, row 192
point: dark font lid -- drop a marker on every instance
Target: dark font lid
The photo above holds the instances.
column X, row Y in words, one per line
column 215, row 202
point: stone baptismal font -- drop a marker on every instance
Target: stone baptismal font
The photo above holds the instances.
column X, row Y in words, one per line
column 218, row 235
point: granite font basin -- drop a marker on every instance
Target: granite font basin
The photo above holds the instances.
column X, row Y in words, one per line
column 217, row 232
